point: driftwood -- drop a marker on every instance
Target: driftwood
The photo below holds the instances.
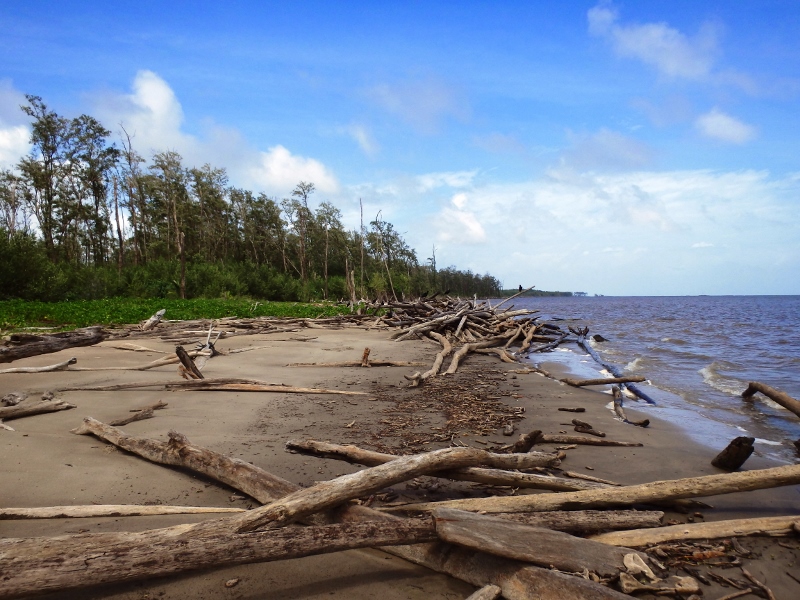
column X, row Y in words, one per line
column 62, row 366
column 153, row 321
column 190, row 369
column 356, row 363
column 33, row 407
column 417, row 378
column 767, row 526
column 620, row 412
column 574, row 410
column 218, row 384
column 140, row 415
column 536, row 545
column 518, row 581
column 487, row 592
column 588, row 521
column 601, row 381
column 777, row 396
column 467, row 348
column 735, row 454
column 107, row 510
column 657, row 491
column 548, row 438
column 39, row 565
column 23, row 346
column 583, row 427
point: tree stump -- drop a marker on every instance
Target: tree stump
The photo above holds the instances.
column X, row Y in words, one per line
column 734, row 456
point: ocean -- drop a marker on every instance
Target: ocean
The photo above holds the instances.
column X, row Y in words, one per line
column 698, row 353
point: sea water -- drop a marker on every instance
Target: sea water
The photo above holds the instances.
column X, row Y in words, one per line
column 698, row 353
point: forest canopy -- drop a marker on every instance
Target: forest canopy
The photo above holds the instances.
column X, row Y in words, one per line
column 87, row 217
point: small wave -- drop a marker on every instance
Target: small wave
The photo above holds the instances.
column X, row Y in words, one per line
column 634, row 365
column 768, row 442
column 721, row 383
column 676, row 341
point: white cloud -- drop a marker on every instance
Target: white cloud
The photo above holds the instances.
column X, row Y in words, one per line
column 280, row 169
column 424, row 103
column 460, row 226
column 657, row 44
column 453, row 179
column 725, row 128
column 703, row 245
column 153, row 116
column 363, row 138
column 14, row 131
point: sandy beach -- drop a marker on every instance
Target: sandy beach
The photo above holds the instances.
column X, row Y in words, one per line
column 46, row 465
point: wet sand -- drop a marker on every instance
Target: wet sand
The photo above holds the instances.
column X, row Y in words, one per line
column 45, row 465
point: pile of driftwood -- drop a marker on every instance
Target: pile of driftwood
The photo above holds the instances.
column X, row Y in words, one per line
column 527, row 550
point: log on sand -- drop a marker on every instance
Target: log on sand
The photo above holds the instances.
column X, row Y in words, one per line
column 782, row 398
column 107, row 510
column 576, row 439
column 417, row 378
column 539, row 546
column 602, row 381
column 218, row 384
column 518, row 580
column 487, row 592
column 62, row 366
column 657, row 491
column 767, row 526
column 38, row 565
column 589, row 521
column 28, row 408
column 23, row 346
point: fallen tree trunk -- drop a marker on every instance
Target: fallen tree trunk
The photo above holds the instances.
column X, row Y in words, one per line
column 589, row 521
column 467, row 348
column 358, row 363
column 40, row 565
column 657, row 491
column 190, row 370
column 107, row 510
column 62, row 366
column 536, row 545
column 601, row 381
column 417, row 378
column 28, row 408
column 153, row 321
column 219, row 384
column 140, row 415
column 519, row 581
column 20, row 346
column 575, row 439
column 768, row 526
column 782, row 398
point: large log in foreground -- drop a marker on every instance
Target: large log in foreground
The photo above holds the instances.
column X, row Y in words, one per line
column 782, row 398
column 519, row 581
column 23, row 346
column 657, row 491
column 39, row 565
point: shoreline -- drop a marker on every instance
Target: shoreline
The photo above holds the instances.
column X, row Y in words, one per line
column 45, row 465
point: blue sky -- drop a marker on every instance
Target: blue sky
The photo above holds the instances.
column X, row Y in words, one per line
column 616, row 148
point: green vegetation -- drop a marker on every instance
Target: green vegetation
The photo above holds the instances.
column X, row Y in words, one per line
column 18, row 314
column 83, row 219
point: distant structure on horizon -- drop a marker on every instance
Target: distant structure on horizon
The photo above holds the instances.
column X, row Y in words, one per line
column 581, row 294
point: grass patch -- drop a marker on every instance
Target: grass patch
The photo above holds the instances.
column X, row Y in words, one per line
column 19, row 314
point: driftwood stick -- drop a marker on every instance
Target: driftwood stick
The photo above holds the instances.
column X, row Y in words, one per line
column 23, row 346
column 327, row 494
column 189, row 368
column 620, row 412
column 519, row 581
column 657, row 491
column 601, row 381
column 589, row 521
column 487, row 592
column 467, row 348
column 447, row 348
column 782, row 398
column 548, row 438
column 38, row 565
column 62, row 366
column 536, row 545
column 140, row 415
column 107, row 510
column 372, row 363
column 365, row 358
column 153, row 321
column 33, row 407
column 499, row 304
column 218, row 384
column 767, row 526
column 502, row 353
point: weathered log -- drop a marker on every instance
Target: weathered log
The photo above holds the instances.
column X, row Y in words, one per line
column 777, row 396
column 525, row 442
column 62, row 366
column 33, row 407
column 735, row 454
column 354, row 363
column 518, row 580
column 620, row 412
column 190, row 369
column 574, row 410
column 502, row 353
column 140, row 415
column 217, row 384
column 487, row 592
column 467, row 348
column 585, row 477
column 536, row 545
column 549, row 346
column 327, row 494
column 601, row 381
column 108, row 510
column 589, row 521
column 39, row 565
column 657, row 491
column 548, row 438
column 153, row 321
column 417, row 379
column 766, row 526
column 24, row 346
column 584, row 427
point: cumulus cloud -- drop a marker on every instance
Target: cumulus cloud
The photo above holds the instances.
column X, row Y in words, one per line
column 702, row 245
column 14, row 131
column 671, row 52
column 422, row 103
column 453, row 179
column 363, row 137
column 153, row 116
column 717, row 125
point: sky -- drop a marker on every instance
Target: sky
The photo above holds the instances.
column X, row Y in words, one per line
column 616, row 148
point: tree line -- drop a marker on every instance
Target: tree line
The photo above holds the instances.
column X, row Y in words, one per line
column 85, row 217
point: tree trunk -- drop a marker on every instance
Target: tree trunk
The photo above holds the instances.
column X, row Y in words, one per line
column 536, row 545
column 782, row 398
column 589, row 521
column 23, row 346
column 107, row 510
column 657, row 491
column 735, row 454
column 771, row 526
column 601, row 381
